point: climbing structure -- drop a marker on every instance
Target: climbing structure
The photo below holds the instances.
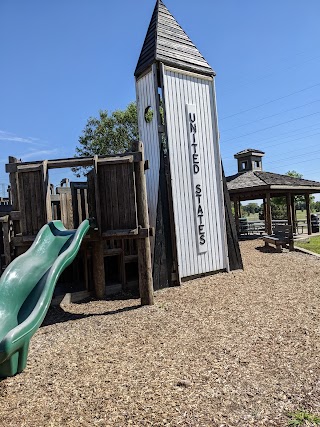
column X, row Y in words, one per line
column 188, row 203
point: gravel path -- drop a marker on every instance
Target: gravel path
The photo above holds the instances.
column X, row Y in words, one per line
column 238, row 349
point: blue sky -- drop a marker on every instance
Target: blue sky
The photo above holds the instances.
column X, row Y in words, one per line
column 62, row 61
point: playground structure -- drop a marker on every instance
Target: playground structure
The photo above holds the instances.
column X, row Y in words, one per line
column 183, row 193
column 189, row 205
column 26, row 289
column 114, row 194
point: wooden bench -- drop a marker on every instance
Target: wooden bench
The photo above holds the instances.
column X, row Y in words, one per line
column 282, row 237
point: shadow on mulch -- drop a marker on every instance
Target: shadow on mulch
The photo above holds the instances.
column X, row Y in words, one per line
column 58, row 315
column 267, row 249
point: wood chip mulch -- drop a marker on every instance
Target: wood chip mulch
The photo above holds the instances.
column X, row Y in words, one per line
column 237, row 349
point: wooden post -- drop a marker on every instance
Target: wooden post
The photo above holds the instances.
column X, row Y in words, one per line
column 293, row 209
column 144, row 250
column 268, row 218
column 239, row 208
column 307, row 198
column 5, row 220
column 265, row 214
column 289, row 210
column 236, row 215
column 47, row 192
column 98, row 269
column 13, row 178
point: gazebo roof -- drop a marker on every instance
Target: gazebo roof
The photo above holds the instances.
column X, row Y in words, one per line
column 248, row 151
column 260, row 181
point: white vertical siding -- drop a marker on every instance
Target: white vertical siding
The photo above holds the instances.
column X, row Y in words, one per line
column 148, row 132
column 181, row 89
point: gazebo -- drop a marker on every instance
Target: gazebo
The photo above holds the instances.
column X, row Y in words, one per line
column 251, row 183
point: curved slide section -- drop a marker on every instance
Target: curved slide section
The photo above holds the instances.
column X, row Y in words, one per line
column 26, row 289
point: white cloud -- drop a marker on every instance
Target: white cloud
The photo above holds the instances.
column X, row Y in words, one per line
column 8, row 136
column 36, row 155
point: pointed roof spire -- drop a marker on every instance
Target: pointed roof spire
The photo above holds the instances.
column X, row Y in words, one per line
column 168, row 43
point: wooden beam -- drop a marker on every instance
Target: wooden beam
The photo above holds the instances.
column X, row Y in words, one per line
column 293, row 208
column 268, row 217
column 97, row 193
column 265, row 214
column 289, row 210
column 166, row 191
column 29, row 168
column 11, row 167
column 117, row 160
column 144, row 250
column 307, row 198
column 22, row 240
column 15, row 215
column 47, row 192
column 236, row 215
column 5, row 221
column 99, row 278
column 14, row 191
column 137, row 233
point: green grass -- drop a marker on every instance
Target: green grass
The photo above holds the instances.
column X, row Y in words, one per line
column 301, row 215
column 312, row 245
column 303, row 418
column 252, row 216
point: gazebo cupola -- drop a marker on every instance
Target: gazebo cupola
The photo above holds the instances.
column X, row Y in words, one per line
column 249, row 160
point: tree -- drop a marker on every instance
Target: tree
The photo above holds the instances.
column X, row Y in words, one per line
column 294, row 174
column 109, row 134
column 300, row 201
column 278, row 208
column 250, row 208
column 315, row 206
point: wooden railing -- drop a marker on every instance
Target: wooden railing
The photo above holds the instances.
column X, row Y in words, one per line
column 258, row 226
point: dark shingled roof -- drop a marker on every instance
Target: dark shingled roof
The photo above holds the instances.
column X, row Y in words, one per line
column 249, row 150
column 168, row 43
column 252, row 179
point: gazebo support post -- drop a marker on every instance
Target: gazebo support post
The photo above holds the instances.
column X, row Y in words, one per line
column 293, row 208
column 289, row 209
column 307, row 198
column 236, row 214
column 265, row 215
column 268, row 217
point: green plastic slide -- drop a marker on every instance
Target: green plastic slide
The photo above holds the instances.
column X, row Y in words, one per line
column 26, row 289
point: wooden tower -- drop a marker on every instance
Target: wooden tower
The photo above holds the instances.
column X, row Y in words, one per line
column 178, row 125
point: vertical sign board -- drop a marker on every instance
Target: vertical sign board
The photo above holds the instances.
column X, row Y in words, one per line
column 197, row 184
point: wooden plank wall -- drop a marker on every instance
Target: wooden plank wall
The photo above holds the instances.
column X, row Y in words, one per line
column 32, row 197
column 79, row 197
column 5, row 239
column 148, row 132
column 181, row 89
column 92, row 209
column 66, row 210
column 2, row 257
column 117, row 200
